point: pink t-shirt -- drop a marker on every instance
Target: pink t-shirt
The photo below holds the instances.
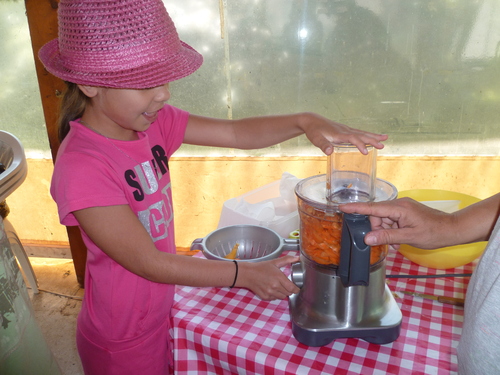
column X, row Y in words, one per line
column 90, row 170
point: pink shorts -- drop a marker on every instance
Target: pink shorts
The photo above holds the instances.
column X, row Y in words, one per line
column 151, row 355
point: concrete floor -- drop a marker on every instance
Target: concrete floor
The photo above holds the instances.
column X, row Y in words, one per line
column 56, row 307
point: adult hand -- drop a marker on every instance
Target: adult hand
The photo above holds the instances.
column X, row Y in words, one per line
column 405, row 221
column 266, row 279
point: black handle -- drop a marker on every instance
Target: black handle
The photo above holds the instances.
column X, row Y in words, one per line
column 354, row 267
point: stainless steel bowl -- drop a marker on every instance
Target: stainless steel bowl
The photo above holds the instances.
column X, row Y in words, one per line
column 255, row 243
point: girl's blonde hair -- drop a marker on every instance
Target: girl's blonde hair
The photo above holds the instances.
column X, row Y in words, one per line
column 73, row 104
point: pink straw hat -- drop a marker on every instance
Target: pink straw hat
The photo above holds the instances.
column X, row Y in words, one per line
column 118, row 44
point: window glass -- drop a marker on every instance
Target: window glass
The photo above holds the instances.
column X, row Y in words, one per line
column 425, row 72
column 20, row 105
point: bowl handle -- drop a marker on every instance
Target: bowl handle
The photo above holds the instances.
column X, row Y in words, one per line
column 290, row 244
column 197, row 245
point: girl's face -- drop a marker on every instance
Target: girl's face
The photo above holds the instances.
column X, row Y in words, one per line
column 119, row 113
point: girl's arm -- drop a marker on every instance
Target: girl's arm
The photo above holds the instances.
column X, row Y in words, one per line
column 260, row 132
column 119, row 233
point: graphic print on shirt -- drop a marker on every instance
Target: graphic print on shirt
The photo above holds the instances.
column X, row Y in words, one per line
column 144, row 178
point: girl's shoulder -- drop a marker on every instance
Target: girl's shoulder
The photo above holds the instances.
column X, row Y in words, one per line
column 171, row 116
column 170, row 126
column 81, row 142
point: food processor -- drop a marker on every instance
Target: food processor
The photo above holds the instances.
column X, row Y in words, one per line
column 343, row 292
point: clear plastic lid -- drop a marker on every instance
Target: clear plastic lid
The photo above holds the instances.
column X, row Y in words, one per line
column 314, row 190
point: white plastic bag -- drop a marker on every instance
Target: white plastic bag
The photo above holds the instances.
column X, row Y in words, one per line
column 273, row 206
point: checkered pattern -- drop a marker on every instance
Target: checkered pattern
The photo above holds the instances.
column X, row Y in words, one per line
column 230, row 331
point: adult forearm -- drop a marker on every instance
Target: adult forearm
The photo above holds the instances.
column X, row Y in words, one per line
column 475, row 222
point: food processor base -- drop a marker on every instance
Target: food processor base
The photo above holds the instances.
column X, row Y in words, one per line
column 311, row 329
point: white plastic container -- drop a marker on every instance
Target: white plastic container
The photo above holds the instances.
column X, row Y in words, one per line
column 264, row 206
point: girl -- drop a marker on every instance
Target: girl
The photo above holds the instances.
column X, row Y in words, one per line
column 111, row 176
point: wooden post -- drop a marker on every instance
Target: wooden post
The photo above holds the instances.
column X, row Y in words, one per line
column 42, row 21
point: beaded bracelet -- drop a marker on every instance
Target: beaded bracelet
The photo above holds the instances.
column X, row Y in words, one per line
column 235, row 275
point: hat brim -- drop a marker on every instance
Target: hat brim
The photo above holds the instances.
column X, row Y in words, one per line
column 179, row 65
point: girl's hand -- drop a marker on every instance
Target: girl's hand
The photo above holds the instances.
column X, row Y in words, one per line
column 322, row 132
column 266, row 279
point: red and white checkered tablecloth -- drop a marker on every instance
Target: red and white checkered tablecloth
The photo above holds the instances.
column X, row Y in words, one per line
column 231, row 331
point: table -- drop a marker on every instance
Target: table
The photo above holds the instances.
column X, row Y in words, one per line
column 231, row 331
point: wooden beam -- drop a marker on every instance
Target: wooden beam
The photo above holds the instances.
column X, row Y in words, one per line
column 42, row 21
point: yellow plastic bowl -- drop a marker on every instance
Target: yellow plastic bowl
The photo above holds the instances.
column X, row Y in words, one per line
column 445, row 257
